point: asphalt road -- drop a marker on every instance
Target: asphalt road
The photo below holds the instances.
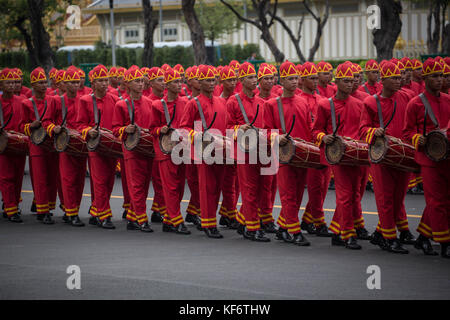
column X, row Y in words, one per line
column 121, row 264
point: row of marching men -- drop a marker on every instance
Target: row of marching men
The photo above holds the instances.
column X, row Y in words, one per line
column 391, row 110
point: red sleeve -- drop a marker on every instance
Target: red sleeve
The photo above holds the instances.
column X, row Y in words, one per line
column 367, row 124
column 321, row 123
column 120, row 119
column 26, row 117
column 84, row 119
column 52, row 116
column 158, row 119
column 410, row 129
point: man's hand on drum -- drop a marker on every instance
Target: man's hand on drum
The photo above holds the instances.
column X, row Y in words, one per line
column 245, row 127
column 422, row 141
column 131, row 128
column 283, row 140
column 164, row 129
column 328, row 139
column 35, row 125
column 57, row 130
column 379, row 132
column 93, row 133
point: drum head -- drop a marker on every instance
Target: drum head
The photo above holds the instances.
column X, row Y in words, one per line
column 286, row 152
column 132, row 140
column 62, row 140
column 436, row 146
column 165, row 142
column 93, row 143
column 335, row 151
column 378, row 149
column 248, row 141
column 3, row 141
column 38, row 136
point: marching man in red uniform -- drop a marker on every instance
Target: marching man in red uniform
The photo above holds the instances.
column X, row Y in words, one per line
column 323, row 71
column 102, row 167
column 372, row 70
column 435, row 220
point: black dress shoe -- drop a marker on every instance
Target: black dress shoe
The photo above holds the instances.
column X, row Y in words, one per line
column 284, row 235
column 362, row 234
column 93, row 221
column 40, row 217
column 224, row 221
column 248, row 234
column 107, row 224
column 156, row 217
column 133, row 225
column 48, row 219
column 5, row 215
column 167, row 228
column 124, row 214
column 352, row 244
column 234, row 224
column 241, row 229
column 445, row 250
column 65, row 218
column 375, row 238
column 301, row 240
column 269, row 227
column 15, row 218
column 76, row 222
column 308, row 227
column 33, row 207
column 336, row 240
column 331, row 185
column 257, row 235
column 394, row 245
column 192, row 218
column 182, row 229
column 425, row 244
column 322, row 231
column 213, row 233
column 406, row 237
column 145, row 227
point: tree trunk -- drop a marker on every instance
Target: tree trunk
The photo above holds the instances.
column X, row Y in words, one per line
column 433, row 38
column 446, row 39
column 150, row 26
column 268, row 39
column 321, row 22
column 41, row 38
column 391, row 25
column 197, row 35
column 28, row 42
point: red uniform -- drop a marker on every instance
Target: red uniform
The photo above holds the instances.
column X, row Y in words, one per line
column 27, row 92
column 390, row 184
column 435, row 220
column 291, row 180
column 369, row 89
column 210, row 177
column 11, row 166
column 84, row 91
column 327, row 92
column 172, row 175
column 347, row 178
column 415, row 87
column 102, row 168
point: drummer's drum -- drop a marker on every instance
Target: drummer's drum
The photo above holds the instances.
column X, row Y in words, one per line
column 71, row 142
column 347, row 151
column 13, row 143
column 141, row 142
column 437, row 146
column 300, row 153
column 106, row 144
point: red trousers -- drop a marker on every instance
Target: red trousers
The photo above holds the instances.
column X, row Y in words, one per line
column 173, row 180
column 73, row 174
column 125, row 191
column 103, row 171
column 291, row 185
column 267, row 217
column 192, row 181
column 139, row 174
column 44, row 170
column 435, row 220
column 317, row 182
column 11, row 176
column 92, row 209
column 347, row 181
column 229, row 199
column 256, row 192
column 159, row 204
column 358, row 218
column 210, row 179
column 390, row 186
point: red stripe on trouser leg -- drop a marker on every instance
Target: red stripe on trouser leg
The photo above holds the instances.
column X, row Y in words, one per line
column 192, row 181
column 73, row 173
column 402, row 225
column 103, row 170
column 291, row 185
column 347, row 182
column 361, row 187
column 173, row 181
column 240, row 217
column 307, row 217
column 125, row 191
column 157, row 188
column 11, row 176
column 335, row 227
column 91, row 183
column 93, row 211
column 436, row 185
column 281, row 220
column 141, row 218
column 317, row 182
column 378, row 228
column 139, row 175
column 131, row 215
column 104, row 214
column 229, row 191
column 42, row 184
column 210, row 179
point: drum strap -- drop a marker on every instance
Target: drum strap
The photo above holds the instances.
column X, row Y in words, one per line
column 365, row 88
column 202, row 115
column 94, row 102
column 428, row 110
column 186, row 94
column 63, row 107
column 2, row 121
column 333, row 114
column 317, row 91
column 241, row 106
column 118, row 91
column 380, row 114
column 281, row 114
column 166, row 111
column 130, row 110
column 36, row 113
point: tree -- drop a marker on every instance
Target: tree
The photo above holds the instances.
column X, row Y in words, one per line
column 436, row 13
column 150, row 26
column 197, row 34
column 263, row 10
column 391, row 26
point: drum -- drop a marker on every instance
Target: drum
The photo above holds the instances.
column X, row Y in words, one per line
column 300, row 153
column 166, row 144
column 348, row 152
column 217, row 143
column 106, row 144
column 40, row 138
column 13, row 143
column 141, row 142
column 437, row 146
column 71, row 142
column 394, row 153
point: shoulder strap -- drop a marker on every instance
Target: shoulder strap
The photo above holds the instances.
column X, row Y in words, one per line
column 36, row 113
column 94, row 102
column 281, row 114
column 333, row 114
column 2, row 121
column 202, row 115
column 130, row 110
column 63, row 107
column 241, row 106
column 428, row 110
column 365, row 88
column 166, row 111
column 380, row 114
